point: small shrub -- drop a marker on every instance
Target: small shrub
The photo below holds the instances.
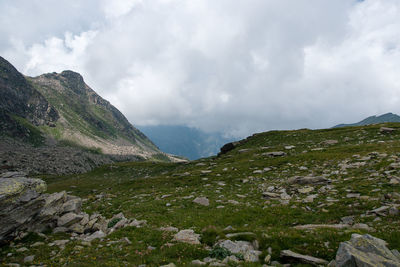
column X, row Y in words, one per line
column 113, row 222
column 219, row 253
column 209, row 235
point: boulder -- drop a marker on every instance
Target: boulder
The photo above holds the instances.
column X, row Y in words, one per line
column 74, row 205
column 187, row 236
column 69, row 219
column 386, row 130
column 20, row 202
column 202, row 201
column 250, row 254
column 365, row 250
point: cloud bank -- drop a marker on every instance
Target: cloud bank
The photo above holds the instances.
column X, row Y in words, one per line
column 236, row 67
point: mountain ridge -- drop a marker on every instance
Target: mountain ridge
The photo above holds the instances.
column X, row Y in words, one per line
column 387, row 117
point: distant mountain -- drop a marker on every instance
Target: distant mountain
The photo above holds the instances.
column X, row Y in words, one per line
column 388, row 117
column 185, row 141
column 60, row 109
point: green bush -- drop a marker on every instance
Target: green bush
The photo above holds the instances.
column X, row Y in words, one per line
column 113, row 222
column 209, row 235
column 219, row 253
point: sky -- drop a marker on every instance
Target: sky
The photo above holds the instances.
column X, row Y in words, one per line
column 237, row 67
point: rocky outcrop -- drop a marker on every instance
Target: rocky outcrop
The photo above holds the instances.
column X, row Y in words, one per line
column 365, row 251
column 24, row 207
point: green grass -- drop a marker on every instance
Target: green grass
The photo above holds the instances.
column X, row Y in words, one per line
column 142, row 190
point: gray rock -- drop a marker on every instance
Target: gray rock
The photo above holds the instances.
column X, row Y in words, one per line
column 364, row 250
column 187, row 236
column 243, row 247
column 289, row 255
column 20, row 202
column 329, row 142
column 202, row 201
column 69, row 219
column 28, row 259
column 96, row 235
column 73, row 205
column 198, row 262
column 169, row 229
column 274, row 154
column 386, row 130
column 347, row 220
column 308, row 180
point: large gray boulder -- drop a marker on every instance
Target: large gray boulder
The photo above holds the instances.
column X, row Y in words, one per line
column 365, row 251
column 20, row 202
column 25, row 207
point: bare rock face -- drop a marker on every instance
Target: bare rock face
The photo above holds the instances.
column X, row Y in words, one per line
column 20, row 201
column 365, row 250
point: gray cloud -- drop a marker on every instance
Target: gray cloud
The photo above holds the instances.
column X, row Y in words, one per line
column 237, row 67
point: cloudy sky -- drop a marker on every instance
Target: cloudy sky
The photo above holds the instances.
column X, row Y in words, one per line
column 238, row 66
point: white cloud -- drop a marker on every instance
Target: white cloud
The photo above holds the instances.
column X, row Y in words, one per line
column 236, row 67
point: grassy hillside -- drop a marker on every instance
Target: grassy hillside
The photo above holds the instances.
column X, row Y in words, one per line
column 249, row 190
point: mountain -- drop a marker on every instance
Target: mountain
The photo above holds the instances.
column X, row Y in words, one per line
column 185, row 141
column 60, row 110
column 388, row 117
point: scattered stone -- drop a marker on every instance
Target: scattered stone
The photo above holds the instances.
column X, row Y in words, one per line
column 296, row 257
column 353, row 195
column 308, row 180
column 202, row 201
column 169, row 229
column 96, row 235
column 28, row 259
column 289, row 147
column 198, row 262
column 363, row 226
column 241, row 234
column 316, row 226
column 386, row 130
column 329, row 142
column 310, row 198
column 274, row 154
column 168, row 265
column 348, row 220
column 393, row 211
column 305, row 190
column 187, row 236
column 242, row 247
column 364, row 250
column 382, row 211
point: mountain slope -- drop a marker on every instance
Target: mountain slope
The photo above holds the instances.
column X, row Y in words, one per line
column 59, row 115
column 388, row 117
column 86, row 118
column 185, row 141
column 20, row 100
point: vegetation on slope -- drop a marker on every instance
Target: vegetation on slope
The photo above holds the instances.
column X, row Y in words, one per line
column 359, row 165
